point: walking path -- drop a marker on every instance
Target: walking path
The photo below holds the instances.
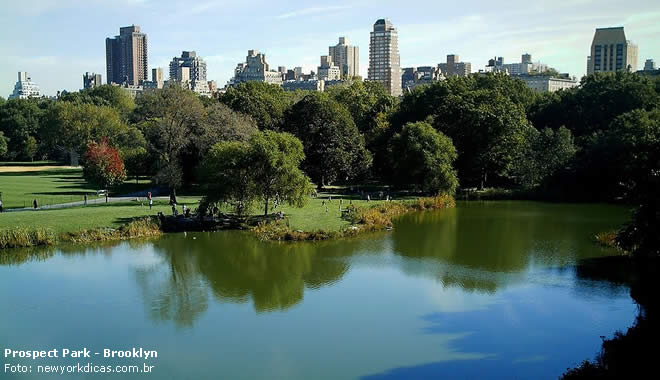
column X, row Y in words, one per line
column 82, row 203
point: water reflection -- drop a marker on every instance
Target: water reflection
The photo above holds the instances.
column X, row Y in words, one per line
column 237, row 268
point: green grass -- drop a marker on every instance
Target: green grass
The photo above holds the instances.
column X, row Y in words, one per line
column 313, row 216
column 54, row 186
column 48, row 187
column 79, row 218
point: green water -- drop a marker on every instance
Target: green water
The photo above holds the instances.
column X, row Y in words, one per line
column 486, row 290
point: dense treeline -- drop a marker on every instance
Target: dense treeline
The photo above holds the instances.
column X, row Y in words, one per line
column 598, row 142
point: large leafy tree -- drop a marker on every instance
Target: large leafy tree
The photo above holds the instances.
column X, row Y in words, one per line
column 483, row 115
column 634, row 143
column 423, row 157
column 266, row 167
column 71, row 125
column 334, row 148
column 276, row 159
column 20, row 121
column 489, row 131
column 170, row 119
column 264, row 102
column 102, row 164
column 370, row 106
column 600, row 98
column 546, row 152
column 105, row 95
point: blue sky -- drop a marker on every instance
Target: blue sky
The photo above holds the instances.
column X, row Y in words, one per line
column 56, row 41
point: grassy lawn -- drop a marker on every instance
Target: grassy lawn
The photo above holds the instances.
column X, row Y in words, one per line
column 51, row 186
column 313, row 216
column 61, row 185
column 78, row 218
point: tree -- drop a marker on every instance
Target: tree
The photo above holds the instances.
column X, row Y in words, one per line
column 489, row 131
column 102, row 164
column 226, row 175
column 3, row 145
column 634, row 140
column 71, row 125
column 137, row 162
column 266, row 167
column 545, row 153
column 422, row 156
column 105, row 95
column 276, row 159
column 170, row 119
column 591, row 107
column 20, row 122
column 484, row 116
column 264, row 102
column 333, row 146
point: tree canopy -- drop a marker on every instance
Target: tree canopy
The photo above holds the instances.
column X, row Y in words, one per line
column 423, row 157
column 334, row 148
column 265, row 168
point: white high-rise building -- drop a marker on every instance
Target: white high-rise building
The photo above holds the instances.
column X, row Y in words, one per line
column 384, row 59
column 25, row 88
column 328, row 70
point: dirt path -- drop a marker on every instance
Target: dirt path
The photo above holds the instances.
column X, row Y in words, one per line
column 17, row 169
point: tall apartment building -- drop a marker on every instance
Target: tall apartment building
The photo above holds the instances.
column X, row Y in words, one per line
column 328, row 70
column 188, row 60
column 346, row 57
column 610, row 51
column 126, row 57
column 649, row 65
column 384, row 60
column 455, row 68
column 255, row 68
column 91, row 80
column 25, row 88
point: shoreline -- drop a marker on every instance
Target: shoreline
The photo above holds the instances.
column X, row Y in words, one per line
column 363, row 219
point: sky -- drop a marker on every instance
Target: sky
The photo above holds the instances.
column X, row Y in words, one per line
column 57, row 41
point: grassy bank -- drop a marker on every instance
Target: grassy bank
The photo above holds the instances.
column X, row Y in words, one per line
column 358, row 219
column 21, row 237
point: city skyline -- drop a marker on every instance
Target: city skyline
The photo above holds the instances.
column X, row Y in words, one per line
column 552, row 32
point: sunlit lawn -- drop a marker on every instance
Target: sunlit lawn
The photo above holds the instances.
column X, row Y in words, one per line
column 92, row 216
column 52, row 186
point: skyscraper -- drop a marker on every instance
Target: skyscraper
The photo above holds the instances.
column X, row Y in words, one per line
column 126, row 56
column 255, row 68
column 346, row 57
column 384, row 60
column 610, row 51
column 25, row 88
column 462, row 69
column 91, row 80
column 189, row 59
column 328, row 70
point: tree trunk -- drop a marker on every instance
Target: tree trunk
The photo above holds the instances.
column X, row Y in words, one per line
column 266, row 207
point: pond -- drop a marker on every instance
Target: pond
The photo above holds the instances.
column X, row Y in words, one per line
column 488, row 290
